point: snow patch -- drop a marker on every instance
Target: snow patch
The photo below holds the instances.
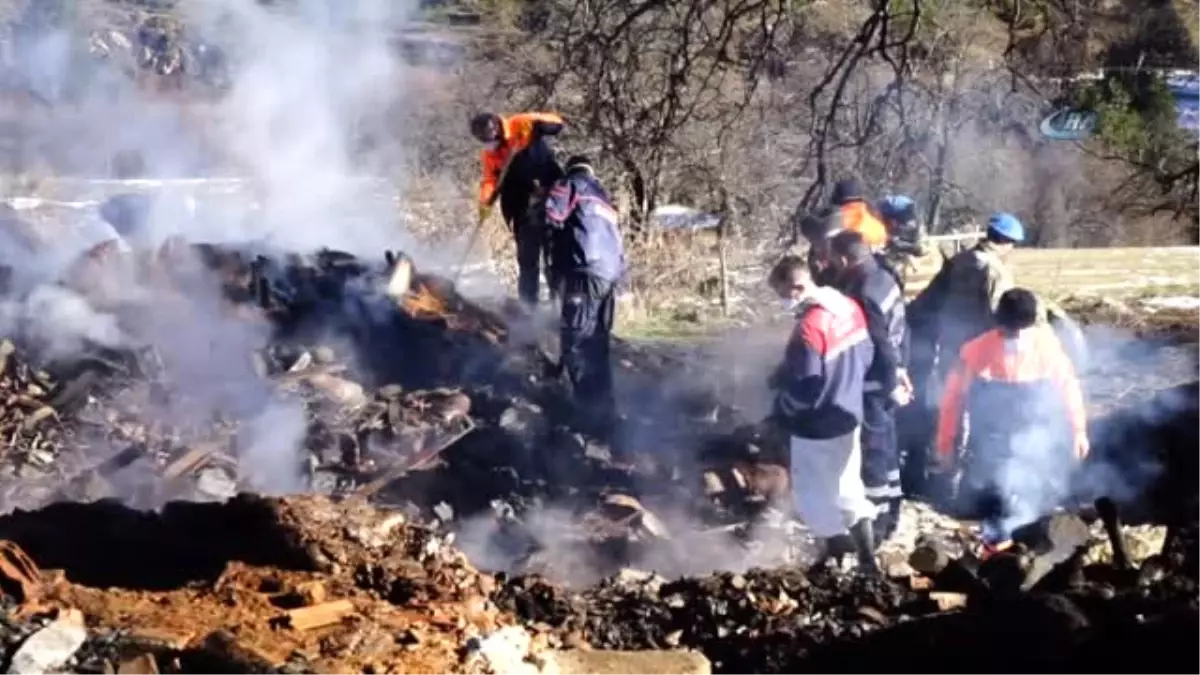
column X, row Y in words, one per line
column 1173, row 302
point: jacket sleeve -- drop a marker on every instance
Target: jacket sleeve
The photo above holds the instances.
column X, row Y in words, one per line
column 491, row 168
column 1067, row 382
column 900, row 335
column 526, row 127
column 559, row 204
column 803, row 367
column 879, row 328
column 950, row 411
column 997, row 285
column 548, row 124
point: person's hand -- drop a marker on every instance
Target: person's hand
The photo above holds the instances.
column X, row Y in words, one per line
column 1082, row 446
column 905, row 381
column 901, row 395
column 485, row 212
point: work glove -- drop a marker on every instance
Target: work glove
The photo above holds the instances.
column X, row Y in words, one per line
column 485, row 212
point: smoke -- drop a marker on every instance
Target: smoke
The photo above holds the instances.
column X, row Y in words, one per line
column 60, row 321
column 670, row 410
column 549, row 540
column 308, row 80
column 1130, row 436
column 269, row 459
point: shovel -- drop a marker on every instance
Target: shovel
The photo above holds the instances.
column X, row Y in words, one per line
column 479, row 225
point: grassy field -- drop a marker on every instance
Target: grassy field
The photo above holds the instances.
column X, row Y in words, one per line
column 1116, row 272
column 1147, row 290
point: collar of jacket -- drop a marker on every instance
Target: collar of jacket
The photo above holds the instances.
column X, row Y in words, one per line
column 1020, row 340
column 823, row 296
column 985, row 246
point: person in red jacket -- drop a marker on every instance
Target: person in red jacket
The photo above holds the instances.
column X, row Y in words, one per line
column 1026, row 424
column 519, row 167
column 819, row 403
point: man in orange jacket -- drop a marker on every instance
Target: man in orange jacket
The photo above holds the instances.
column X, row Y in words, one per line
column 1026, row 423
column 518, row 169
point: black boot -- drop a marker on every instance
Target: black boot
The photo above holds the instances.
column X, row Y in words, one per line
column 832, row 549
column 886, row 522
column 862, row 534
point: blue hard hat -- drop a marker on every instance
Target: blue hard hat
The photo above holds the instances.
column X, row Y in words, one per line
column 896, row 205
column 1006, row 225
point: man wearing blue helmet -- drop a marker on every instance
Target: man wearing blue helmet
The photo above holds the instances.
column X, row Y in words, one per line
column 976, row 279
column 905, row 234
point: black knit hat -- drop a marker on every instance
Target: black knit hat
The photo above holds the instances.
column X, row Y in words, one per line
column 847, row 190
column 580, row 163
column 1017, row 309
column 485, row 127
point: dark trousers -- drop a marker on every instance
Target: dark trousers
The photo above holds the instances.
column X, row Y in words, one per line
column 980, row 495
column 915, row 427
column 588, row 306
column 529, row 231
column 1024, row 471
column 881, row 460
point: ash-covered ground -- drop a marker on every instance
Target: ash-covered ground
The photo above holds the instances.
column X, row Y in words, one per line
column 455, row 520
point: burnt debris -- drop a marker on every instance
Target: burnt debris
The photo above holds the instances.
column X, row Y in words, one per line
column 438, row 438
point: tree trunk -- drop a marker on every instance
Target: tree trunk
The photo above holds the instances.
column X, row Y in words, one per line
column 722, row 228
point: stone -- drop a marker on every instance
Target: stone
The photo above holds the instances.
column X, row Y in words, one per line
column 611, row 662
column 52, row 646
column 506, row 651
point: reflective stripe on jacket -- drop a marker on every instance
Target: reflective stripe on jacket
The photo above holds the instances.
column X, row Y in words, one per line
column 1003, row 382
column 882, row 300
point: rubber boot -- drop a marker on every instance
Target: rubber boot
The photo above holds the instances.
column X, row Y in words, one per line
column 886, row 522
column 831, row 549
column 862, row 534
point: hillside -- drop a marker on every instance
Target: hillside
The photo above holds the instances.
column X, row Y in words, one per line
column 955, row 100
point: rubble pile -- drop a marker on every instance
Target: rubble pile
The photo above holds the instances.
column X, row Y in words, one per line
column 434, row 431
column 1028, row 610
column 410, row 396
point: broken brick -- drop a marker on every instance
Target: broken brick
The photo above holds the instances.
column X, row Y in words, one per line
column 142, row 664
column 325, row 614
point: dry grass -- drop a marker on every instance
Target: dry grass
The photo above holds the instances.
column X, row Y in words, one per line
column 1120, row 272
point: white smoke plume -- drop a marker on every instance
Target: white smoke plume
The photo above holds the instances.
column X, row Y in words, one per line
column 307, row 79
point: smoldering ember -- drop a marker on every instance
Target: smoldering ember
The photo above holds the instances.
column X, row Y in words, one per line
column 434, row 444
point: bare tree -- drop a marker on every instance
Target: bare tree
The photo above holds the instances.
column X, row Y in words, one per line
column 635, row 76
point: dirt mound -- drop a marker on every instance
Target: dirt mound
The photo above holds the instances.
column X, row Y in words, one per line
column 259, row 583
